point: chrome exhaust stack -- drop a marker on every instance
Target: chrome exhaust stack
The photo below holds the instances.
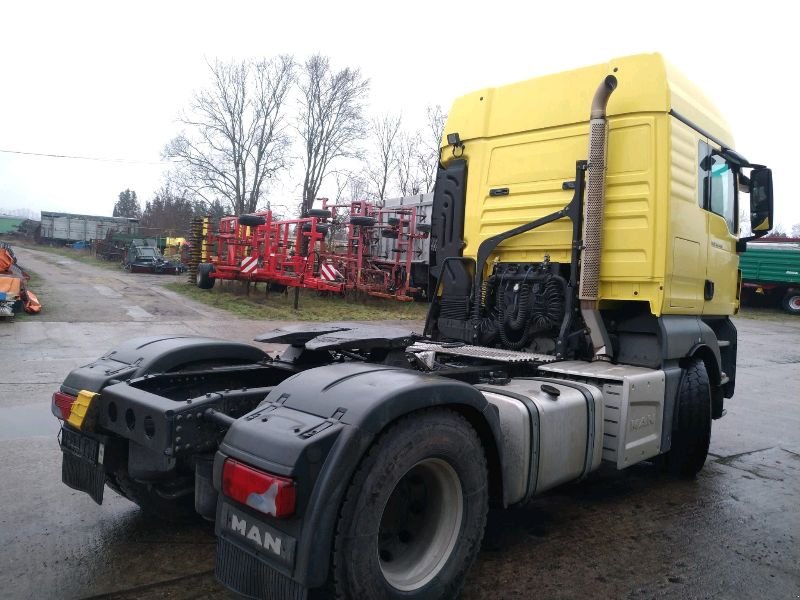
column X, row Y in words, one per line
column 593, row 220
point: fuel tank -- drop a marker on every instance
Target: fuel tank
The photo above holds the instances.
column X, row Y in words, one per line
column 552, row 432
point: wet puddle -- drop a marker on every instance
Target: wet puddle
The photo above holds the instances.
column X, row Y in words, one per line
column 32, row 420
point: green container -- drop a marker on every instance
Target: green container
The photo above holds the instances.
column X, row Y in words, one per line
column 771, row 263
column 9, row 224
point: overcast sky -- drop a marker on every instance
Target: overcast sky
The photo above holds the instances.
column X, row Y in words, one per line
column 107, row 79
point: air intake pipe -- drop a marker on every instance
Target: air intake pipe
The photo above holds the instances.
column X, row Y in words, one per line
column 593, row 220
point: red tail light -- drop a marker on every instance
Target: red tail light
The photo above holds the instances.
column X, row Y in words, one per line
column 62, row 405
column 267, row 493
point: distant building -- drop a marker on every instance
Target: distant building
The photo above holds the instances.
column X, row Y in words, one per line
column 68, row 227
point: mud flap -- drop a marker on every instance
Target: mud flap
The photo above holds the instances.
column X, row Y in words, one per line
column 243, row 572
column 82, row 463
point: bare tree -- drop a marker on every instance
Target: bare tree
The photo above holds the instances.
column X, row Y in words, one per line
column 342, row 180
column 409, row 178
column 427, row 154
column 778, row 232
column 418, row 154
column 331, row 120
column 383, row 162
column 236, row 134
column 359, row 188
column 170, row 210
column 350, row 185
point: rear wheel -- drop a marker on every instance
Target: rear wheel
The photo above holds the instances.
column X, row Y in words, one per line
column 791, row 302
column 414, row 514
column 204, row 279
column 691, row 437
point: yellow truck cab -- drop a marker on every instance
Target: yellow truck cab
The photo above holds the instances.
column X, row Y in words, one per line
column 670, row 190
column 671, row 218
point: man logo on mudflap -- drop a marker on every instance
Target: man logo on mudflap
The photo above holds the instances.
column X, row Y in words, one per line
column 265, row 540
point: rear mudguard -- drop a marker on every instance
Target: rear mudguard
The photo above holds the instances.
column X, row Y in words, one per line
column 155, row 354
column 317, row 425
column 120, row 375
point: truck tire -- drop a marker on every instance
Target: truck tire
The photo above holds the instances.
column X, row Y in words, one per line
column 322, row 228
column 362, row 221
column 390, row 234
column 692, row 434
column 320, row 213
column 251, row 220
column 791, row 302
column 204, row 279
column 412, row 520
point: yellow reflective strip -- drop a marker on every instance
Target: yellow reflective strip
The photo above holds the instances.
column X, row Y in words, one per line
column 80, row 408
column 763, row 226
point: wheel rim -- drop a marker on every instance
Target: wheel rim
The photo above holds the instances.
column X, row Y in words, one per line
column 794, row 303
column 420, row 524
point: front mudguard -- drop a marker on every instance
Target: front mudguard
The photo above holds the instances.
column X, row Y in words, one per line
column 316, row 427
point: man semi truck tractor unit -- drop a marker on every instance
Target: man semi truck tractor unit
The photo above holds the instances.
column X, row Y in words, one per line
column 584, row 239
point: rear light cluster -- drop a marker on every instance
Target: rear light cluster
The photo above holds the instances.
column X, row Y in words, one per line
column 266, row 493
column 62, row 405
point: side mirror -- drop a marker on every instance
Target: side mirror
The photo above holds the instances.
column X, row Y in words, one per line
column 761, row 215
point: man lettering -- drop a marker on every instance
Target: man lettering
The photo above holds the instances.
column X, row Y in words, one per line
column 271, row 543
column 254, row 535
column 238, row 525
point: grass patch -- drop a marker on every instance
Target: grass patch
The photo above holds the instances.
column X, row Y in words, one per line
column 279, row 307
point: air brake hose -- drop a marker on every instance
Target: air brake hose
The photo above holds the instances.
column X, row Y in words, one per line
column 516, row 321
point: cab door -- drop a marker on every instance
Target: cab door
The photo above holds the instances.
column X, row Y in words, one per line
column 719, row 200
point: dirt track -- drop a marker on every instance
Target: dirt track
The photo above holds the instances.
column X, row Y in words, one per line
column 732, row 533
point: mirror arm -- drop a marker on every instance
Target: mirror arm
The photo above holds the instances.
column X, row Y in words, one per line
column 741, row 243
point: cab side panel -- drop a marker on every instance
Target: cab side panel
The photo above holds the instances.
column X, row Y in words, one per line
column 520, row 177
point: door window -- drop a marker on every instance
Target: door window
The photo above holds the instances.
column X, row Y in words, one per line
column 717, row 186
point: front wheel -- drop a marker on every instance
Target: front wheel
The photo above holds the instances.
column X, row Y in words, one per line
column 692, row 435
column 413, row 518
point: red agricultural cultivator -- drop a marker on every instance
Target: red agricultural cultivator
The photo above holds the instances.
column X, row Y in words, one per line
column 374, row 248
column 338, row 248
